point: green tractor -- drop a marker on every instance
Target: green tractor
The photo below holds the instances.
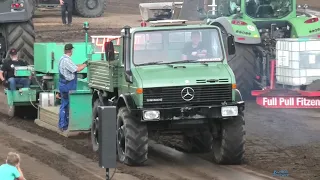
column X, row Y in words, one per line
column 256, row 25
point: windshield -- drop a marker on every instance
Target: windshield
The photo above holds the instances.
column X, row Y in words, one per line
column 268, row 8
column 172, row 46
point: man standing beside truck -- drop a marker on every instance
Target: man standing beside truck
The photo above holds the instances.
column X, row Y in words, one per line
column 67, row 82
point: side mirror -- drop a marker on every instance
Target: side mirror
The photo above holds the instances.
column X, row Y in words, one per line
column 109, row 51
column 231, row 45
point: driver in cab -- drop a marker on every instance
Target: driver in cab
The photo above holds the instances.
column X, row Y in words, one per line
column 195, row 49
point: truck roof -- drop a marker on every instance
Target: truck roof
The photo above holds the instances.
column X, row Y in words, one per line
column 170, row 25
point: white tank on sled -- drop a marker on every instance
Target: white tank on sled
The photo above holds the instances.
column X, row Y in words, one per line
column 297, row 61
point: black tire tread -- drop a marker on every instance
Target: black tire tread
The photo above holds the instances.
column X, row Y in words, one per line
column 231, row 151
column 95, row 146
column 22, row 37
column 243, row 65
column 136, row 150
column 80, row 10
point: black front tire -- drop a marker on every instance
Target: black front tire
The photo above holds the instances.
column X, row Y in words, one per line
column 95, row 126
column 229, row 143
column 132, row 139
column 85, row 9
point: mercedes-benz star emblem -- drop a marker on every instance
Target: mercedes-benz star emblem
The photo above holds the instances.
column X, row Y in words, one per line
column 187, row 93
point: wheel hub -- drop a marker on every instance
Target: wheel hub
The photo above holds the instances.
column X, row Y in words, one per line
column 92, row 4
column 121, row 139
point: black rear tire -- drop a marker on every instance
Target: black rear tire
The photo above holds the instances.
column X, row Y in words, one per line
column 229, row 144
column 85, row 9
column 132, row 139
column 243, row 64
column 21, row 36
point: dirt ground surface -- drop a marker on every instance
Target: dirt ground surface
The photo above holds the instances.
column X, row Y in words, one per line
column 276, row 139
column 31, row 167
column 74, row 159
column 313, row 4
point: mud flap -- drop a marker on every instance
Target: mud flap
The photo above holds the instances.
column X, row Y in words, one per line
column 80, row 110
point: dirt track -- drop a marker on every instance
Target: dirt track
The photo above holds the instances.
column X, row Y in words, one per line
column 276, row 139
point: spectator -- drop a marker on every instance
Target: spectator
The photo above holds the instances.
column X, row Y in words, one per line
column 7, row 72
column 11, row 170
column 66, row 5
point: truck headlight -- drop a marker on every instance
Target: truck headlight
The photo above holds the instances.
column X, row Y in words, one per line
column 150, row 115
column 228, row 111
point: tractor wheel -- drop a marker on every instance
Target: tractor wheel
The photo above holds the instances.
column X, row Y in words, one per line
column 95, row 126
column 132, row 139
column 200, row 143
column 243, row 65
column 229, row 141
column 90, row 8
column 22, row 37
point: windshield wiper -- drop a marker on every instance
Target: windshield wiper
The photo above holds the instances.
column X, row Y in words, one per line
column 189, row 61
column 152, row 63
column 184, row 61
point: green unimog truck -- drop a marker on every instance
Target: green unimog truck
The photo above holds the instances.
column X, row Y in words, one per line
column 155, row 90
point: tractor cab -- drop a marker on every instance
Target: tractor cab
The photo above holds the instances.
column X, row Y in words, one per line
column 262, row 9
column 256, row 9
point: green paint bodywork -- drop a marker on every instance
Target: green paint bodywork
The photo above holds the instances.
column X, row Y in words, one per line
column 22, row 98
column 80, row 110
column 47, row 56
column 297, row 22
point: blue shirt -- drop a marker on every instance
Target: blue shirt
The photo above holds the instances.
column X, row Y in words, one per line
column 67, row 67
column 8, row 172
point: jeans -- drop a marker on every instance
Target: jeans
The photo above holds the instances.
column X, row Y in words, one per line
column 67, row 6
column 25, row 82
column 64, row 112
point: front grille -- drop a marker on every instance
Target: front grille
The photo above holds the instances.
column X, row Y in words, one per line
column 172, row 96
